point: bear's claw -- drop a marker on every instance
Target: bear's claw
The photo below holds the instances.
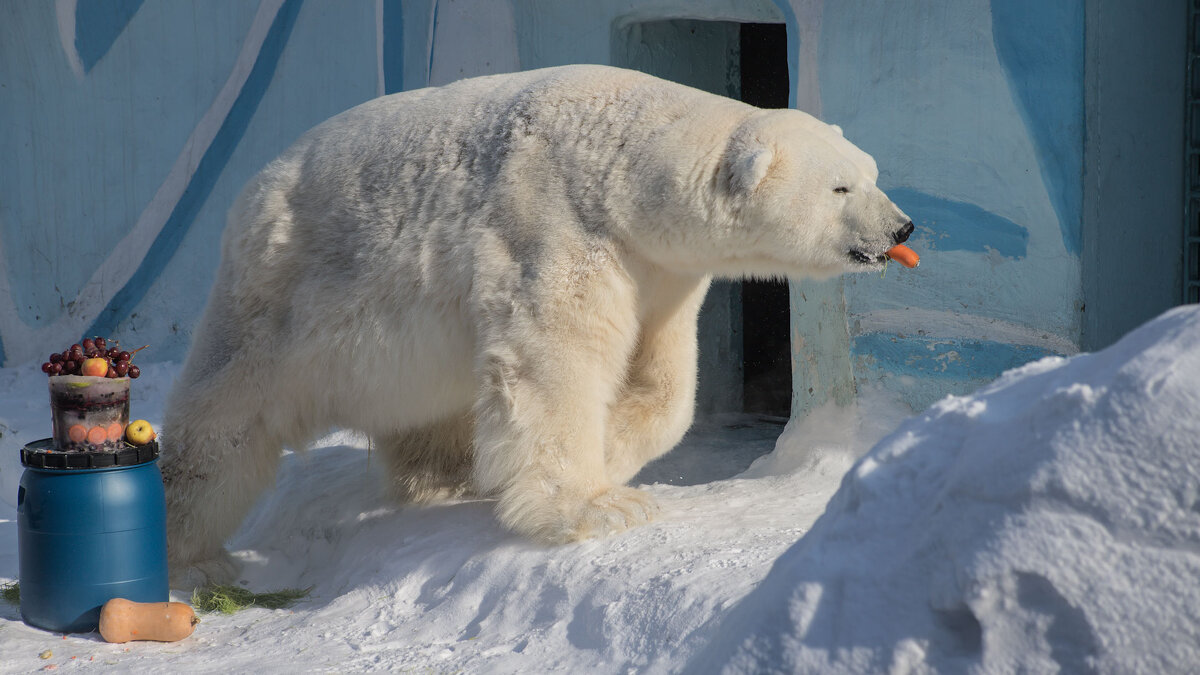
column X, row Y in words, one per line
column 612, row 511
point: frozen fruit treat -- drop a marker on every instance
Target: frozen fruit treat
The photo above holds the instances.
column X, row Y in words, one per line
column 86, row 408
column 89, row 395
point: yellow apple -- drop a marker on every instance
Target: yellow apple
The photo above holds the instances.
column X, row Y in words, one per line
column 139, row 432
column 94, row 367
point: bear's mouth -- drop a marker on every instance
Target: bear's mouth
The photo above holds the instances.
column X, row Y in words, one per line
column 864, row 258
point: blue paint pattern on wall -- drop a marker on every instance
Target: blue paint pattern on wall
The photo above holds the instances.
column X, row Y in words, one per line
column 97, row 25
column 433, row 26
column 393, row 46
column 1040, row 46
column 206, row 175
column 952, row 358
column 925, row 370
column 948, row 225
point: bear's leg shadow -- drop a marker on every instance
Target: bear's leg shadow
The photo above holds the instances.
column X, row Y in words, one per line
column 540, row 417
column 429, row 463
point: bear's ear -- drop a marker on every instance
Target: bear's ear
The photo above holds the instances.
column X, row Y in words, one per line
column 749, row 169
column 836, row 129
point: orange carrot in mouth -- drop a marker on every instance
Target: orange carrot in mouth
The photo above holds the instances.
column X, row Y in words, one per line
column 904, row 255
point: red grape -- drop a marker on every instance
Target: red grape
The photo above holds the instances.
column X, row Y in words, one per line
column 70, row 360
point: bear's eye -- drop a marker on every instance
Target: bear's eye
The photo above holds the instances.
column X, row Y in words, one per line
column 841, row 190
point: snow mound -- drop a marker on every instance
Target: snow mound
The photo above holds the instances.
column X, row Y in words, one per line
column 825, row 443
column 1048, row 522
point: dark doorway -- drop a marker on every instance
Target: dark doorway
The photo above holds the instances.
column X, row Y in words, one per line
column 745, row 377
column 766, row 322
column 745, row 353
column 1191, row 236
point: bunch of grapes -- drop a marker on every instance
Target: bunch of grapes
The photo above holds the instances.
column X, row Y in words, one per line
column 70, row 361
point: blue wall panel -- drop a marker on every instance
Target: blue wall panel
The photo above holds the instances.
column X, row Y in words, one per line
column 1040, row 46
column 131, row 127
column 974, row 112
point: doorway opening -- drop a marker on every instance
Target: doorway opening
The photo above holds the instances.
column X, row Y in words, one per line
column 745, row 327
column 766, row 315
column 1191, row 228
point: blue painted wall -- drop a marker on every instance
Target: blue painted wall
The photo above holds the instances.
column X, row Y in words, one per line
column 129, row 127
column 974, row 112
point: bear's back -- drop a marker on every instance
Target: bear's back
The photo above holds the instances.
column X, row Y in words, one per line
column 446, row 147
column 563, row 103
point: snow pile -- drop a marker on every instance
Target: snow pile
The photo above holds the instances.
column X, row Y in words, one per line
column 828, row 441
column 1049, row 522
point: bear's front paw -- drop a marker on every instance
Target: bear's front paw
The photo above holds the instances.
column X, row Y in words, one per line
column 612, row 511
column 558, row 516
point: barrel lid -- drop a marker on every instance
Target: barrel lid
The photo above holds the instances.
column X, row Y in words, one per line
column 42, row 455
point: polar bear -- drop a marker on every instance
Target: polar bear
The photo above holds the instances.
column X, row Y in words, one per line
column 498, row 281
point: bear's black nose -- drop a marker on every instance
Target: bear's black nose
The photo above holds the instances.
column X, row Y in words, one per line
column 901, row 235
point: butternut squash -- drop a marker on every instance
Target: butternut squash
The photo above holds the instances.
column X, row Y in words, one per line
column 123, row 620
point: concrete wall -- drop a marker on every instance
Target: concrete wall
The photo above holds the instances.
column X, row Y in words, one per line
column 999, row 125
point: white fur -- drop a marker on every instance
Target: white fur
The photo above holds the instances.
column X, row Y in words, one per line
column 498, row 280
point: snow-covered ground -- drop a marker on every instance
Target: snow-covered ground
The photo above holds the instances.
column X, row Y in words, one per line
column 1049, row 522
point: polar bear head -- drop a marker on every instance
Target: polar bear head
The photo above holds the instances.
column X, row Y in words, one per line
column 804, row 200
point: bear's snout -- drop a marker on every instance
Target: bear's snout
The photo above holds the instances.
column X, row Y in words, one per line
column 901, row 235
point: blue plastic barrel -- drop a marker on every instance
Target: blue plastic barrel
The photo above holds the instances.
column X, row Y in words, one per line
column 91, row 526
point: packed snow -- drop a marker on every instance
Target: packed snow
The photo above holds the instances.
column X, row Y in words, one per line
column 1050, row 521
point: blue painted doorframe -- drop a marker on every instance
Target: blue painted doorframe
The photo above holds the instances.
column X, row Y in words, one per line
column 1134, row 173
